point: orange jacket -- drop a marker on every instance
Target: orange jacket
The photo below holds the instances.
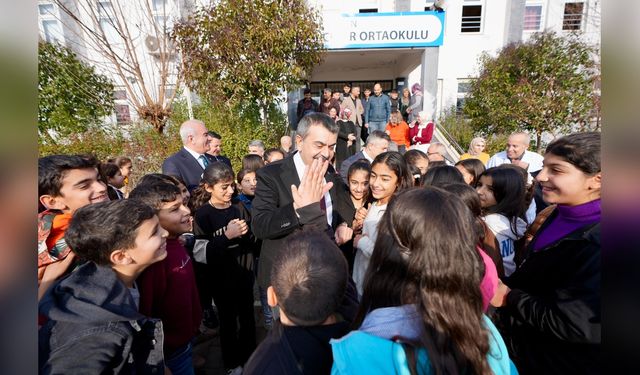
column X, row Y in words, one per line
column 399, row 134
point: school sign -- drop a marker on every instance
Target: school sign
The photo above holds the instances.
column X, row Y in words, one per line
column 384, row 30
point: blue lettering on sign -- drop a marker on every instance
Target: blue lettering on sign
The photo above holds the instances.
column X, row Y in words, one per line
column 506, row 248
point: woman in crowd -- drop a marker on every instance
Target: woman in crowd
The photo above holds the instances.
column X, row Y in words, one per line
column 476, row 151
column 471, row 169
column 416, row 102
column 502, row 196
column 404, row 103
column 421, row 311
column 389, row 174
column 421, row 132
column 345, row 145
column 418, row 162
column 252, row 162
column 442, row 175
column 550, row 306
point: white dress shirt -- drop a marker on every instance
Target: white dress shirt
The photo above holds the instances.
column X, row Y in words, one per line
column 196, row 156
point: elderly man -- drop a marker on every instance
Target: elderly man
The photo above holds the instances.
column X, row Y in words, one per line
column 437, row 152
column 256, row 147
column 327, row 102
column 300, row 192
column 377, row 143
column 192, row 159
column 517, row 154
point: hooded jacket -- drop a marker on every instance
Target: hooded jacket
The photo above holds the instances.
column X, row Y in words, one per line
column 94, row 328
column 504, row 232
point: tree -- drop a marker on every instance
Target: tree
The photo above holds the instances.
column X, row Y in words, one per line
column 543, row 85
column 246, row 50
column 129, row 40
column 71, row 95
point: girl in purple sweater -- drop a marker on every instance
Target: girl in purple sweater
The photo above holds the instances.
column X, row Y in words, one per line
column 550, row 306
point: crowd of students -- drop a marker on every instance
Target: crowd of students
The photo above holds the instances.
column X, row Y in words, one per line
column 450, row 276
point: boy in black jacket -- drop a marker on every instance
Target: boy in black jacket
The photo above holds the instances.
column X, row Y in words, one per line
column 309, row 280
column 93, row 322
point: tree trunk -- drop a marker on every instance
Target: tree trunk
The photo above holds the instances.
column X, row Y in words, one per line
column 538, row 141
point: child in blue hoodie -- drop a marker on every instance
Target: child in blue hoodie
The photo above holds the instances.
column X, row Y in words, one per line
column 421, row 310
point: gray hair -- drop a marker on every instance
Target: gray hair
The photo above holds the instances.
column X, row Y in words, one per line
column 525, row 136
column 316, row 118
column 439, row 148
column 376, row 136
column 326, row 89
column 256, row 143
column 187, row 129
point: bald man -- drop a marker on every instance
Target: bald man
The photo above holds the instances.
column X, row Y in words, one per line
column 285, row 144
column 516, row 153
column 192, row 159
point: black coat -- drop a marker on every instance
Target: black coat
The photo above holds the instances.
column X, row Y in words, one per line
column 94, row 327
column 551, row 321
column 342, row 150
column 273, row 216
column 184, row 165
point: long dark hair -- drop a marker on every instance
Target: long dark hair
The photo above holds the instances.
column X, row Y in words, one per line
column 510, row 193
column 359, row 165
column 214, row 173
column 474, row 167
column 394, row 161
column 428, row 258
column 442, row 175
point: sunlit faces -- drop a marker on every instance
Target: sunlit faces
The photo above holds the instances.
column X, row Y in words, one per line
column 468, row 177
column 126, row 169
column 478, row 147
column 117, row 181
column 215, row 146
column 485, row 192
column 383, row 182
column 376, row 148
column 422, row 164
column 200, row 141
column 221, row 192
column 358, row 184
column 318, row 143
column 355, row 91
column 80, row 187
column 333, row 113
column 248, row 184
column 185, row 193
column 336, row 95
column 377, row 89
column 151, row 243
column 256, row 150
column 175, row 217
column 516, row 146
column 563, row 183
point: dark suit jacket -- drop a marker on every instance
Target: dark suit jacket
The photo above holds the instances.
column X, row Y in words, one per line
column 273, row 217
column 344, row 168
column 222, row 159
column 185, row 166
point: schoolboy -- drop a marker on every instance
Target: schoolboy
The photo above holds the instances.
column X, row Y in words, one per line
column 168, row 288
column 308, row 283
column 94, row 326
column 65, row 184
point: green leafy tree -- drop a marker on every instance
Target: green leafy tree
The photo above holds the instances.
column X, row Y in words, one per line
column 545, row 84
column 71, row 95
column 249, row 51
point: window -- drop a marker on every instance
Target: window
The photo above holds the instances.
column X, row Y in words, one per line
column 51, row 27
column 572, row 19
column 122, row 113
column 532, row 18
column 471, row 18
column 107, row 21
column 120, row 94
column 463, row 91
column 161, row 9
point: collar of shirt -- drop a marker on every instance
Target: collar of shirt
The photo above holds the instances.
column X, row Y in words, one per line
column 300, row 169
column 195, row 155
column 366, row 156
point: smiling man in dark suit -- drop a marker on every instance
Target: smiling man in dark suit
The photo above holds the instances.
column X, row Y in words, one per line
column 192, row 159
column 299, row 193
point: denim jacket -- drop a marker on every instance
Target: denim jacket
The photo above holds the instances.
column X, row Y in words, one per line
column 378, row 109
column 94, row 327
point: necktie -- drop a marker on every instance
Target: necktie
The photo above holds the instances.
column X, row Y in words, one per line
column 204, row 160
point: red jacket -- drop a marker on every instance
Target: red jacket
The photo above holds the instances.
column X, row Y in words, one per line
column 425, row 137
